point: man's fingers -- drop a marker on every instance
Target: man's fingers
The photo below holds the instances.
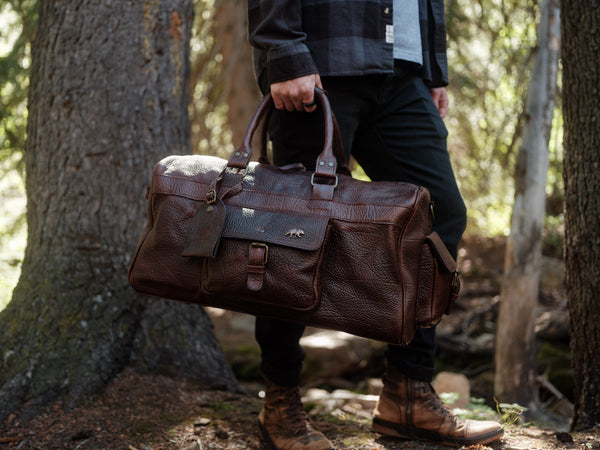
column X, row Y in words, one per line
column 309, row 101
column 295, row 94
column 440, row 99
column 318, row 81
column 289, row 104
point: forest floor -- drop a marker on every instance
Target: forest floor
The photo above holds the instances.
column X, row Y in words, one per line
column 146, row 412
column 152, row 412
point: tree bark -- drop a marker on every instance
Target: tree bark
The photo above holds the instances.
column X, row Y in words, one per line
column 581, row 100
column 515, row 353
column 108, row 99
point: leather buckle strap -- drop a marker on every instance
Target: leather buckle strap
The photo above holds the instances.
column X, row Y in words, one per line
column 258, row 257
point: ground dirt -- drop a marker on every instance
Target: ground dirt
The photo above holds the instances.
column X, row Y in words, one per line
column 146, row 412
column 151, row 412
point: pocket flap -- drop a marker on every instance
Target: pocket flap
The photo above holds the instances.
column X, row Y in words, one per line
column 441, row 252
column 290, row 230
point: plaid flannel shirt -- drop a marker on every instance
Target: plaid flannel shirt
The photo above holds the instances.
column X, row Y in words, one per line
column 292, row 38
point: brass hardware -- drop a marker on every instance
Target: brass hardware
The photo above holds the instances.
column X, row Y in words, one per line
column 455, row 281
column 312, row 180
column 265, row 246
column 211, row 196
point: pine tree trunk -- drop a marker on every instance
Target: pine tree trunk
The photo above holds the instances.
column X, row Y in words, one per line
column 581, row 99
column 515, row 354
column 108, row 99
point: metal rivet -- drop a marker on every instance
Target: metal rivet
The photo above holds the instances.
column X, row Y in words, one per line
column 321, row 163
column 386, row 11
column 209, row 208
column 245, row 155
column 330, row 163
column 236, row 154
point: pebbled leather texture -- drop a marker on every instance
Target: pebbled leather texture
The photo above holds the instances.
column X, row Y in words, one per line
column 363, row 261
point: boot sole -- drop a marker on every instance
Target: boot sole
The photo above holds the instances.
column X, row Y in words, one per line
column 267, row 438
column 400, row 431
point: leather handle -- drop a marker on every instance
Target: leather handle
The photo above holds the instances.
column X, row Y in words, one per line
column 326, row 164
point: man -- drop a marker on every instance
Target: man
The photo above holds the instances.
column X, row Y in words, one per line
column 383, row 64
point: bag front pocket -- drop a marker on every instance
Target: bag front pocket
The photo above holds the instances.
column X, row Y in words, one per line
column 268, row 257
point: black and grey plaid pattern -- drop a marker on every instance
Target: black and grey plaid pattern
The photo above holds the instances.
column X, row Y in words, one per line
column 293, row 38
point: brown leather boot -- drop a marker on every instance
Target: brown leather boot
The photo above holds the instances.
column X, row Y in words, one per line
column 284, row 423
column 411, row 409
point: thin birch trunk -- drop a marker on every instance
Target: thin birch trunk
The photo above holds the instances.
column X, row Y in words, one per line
column 515, row 352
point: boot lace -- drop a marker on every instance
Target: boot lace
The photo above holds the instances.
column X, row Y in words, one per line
column 295, row 415
column 435, row 402
column 298, row 416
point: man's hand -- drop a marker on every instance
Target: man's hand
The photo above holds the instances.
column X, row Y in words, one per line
column 440, row 98
column 295, row 94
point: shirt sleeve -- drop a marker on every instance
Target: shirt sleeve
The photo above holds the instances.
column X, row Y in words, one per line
column 275, row 30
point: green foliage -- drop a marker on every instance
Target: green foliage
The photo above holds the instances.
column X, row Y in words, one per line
column 18, row 18
column 208, row 106
column 490, row 44
column 510, row 412
column 13, row 230
column 476, row 409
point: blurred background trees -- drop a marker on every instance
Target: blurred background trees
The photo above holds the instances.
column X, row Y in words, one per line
column 491, row 44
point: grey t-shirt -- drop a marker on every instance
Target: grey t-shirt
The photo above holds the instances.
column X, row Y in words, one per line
column 407, row 32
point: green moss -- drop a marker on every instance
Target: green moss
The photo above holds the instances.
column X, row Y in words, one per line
column 312, row 367
column 358, row 441
column 142, row 428
column 555, row 362
column 223, row 407
column 244, row 359
column 174, row 418
column 242, row 350
column 248, row 371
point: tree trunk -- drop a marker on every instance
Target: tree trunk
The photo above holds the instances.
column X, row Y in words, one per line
column 515, row 354
column 108, row 99
column 581, row 99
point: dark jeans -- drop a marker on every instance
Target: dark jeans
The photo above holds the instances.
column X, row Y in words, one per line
column 392, row 128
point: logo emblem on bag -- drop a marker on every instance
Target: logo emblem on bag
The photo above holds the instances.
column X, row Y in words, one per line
column 294, row 233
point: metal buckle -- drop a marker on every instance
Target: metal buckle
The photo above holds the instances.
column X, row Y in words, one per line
column 312, row 181
column 211, row 196
column 455, row 282
column 265, row 246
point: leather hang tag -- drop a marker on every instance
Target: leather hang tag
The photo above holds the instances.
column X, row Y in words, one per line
column 205, row 230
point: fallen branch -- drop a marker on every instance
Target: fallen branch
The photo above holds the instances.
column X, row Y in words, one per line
column 8, row 440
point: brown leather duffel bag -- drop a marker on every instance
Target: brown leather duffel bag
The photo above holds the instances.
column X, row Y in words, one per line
column 319, row 247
